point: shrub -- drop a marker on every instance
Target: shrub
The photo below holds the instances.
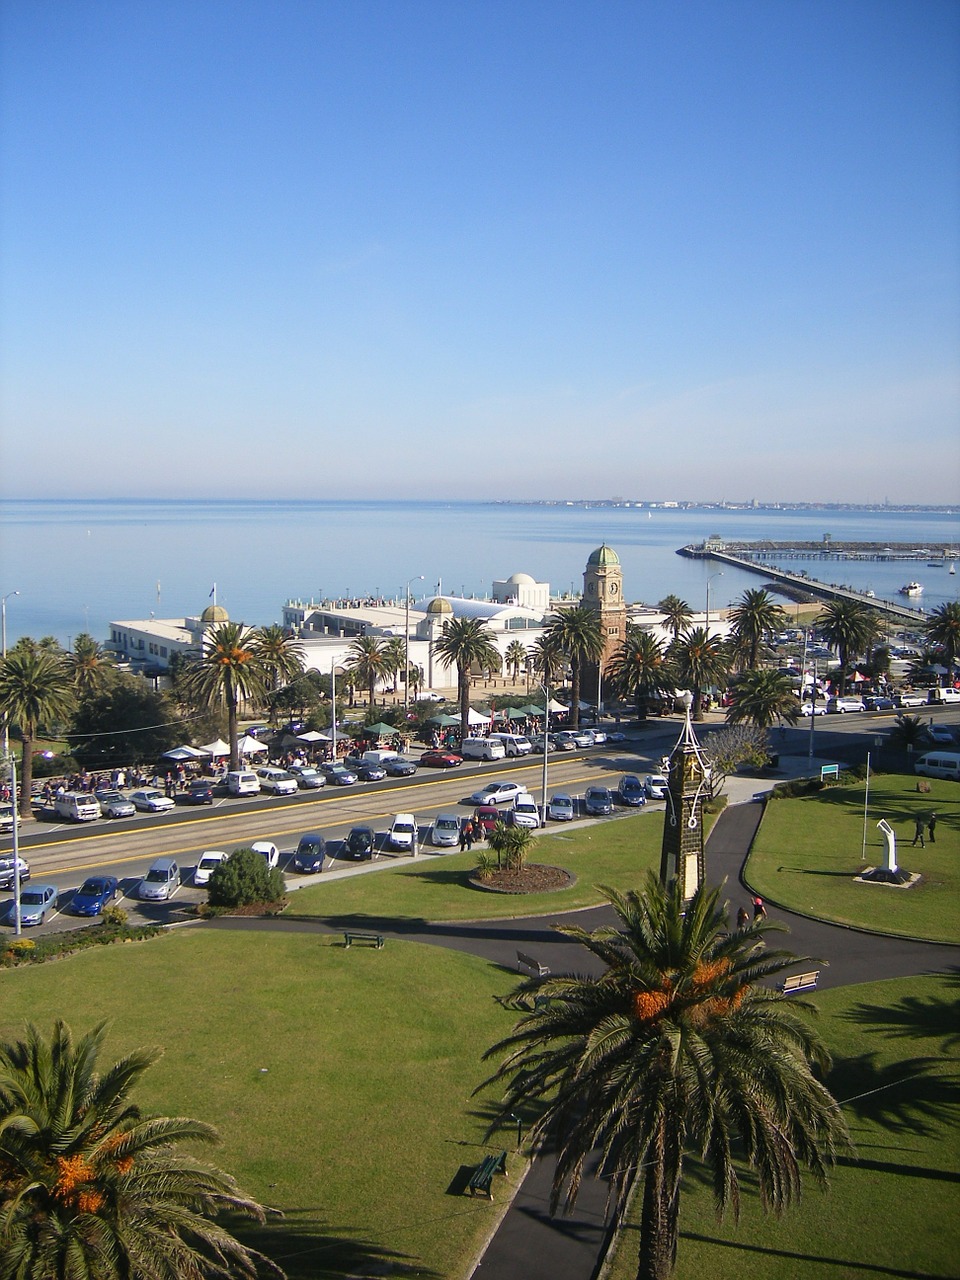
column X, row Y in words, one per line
column 114, row 915
column 244, row 878
column 30, row 951
column 484, row 865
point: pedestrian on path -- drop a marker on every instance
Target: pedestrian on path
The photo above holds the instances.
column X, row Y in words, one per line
column 759, row 910
column 743, row 918
column 932, row 827
column 463, row 836
column 468, row 832
column 918, row 824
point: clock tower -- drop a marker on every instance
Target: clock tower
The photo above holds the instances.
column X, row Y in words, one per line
column 603, row 593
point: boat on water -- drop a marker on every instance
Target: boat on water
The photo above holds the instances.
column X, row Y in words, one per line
column 953, row 567
column 911, row 589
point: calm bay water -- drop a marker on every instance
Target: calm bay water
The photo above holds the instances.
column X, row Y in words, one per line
column 79, row 565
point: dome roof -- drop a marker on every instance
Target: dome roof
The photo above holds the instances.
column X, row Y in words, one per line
column 439, row 605
column 521, row 580
column 214, row 613
column 603, row 555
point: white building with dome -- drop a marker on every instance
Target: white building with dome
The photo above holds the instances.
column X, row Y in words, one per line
column 148, row 644
column 523, row 590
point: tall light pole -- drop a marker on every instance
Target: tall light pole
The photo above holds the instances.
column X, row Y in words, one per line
column 718, row 574
column 546, row 747
column 406, row 646
column 3, row 638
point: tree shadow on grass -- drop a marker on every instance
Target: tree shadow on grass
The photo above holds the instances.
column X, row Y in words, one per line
column 299, row 1244
column 793, row 1260
column 913, row 1095
column 930, row 1017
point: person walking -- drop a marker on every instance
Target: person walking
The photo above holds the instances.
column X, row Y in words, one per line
column 743, row 918
column 759, row 910
column 463, row 836
column 919, row 823
column 468, row 832
column 932, row 827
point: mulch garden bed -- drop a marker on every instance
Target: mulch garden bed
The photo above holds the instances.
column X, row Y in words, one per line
column 534, row 878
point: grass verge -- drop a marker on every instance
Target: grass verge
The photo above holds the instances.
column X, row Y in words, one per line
column 808, row 851
column 887, row 1212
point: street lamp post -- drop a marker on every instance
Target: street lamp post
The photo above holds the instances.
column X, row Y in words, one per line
column 406, row 646
column 718, row 574
column 546, row 747
column 3, row 639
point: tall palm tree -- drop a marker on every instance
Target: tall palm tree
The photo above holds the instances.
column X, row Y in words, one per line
column 577, row 633
column 369, row 661
column 943, row 629
column 755, row 615
column 676, row 614
column 35, row 689
column 89, row 664
column 515, row 657
column 396, row 648
column 763, row 698
column 699, row 661
column 226, row 672
column 548, row 660
column 466, row 643
column 416, row 681
column 676, row 1047
column 848, row 627
column 279, row 655
column 639, row 669
column 92, row 1187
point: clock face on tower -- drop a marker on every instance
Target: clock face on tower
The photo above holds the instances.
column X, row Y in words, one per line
column 613, row 588
column 591, row 587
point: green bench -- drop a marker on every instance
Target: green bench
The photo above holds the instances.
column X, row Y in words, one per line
column 482, row 1177
column 352, row 936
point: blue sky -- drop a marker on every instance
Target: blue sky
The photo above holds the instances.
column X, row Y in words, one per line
column 519, row 250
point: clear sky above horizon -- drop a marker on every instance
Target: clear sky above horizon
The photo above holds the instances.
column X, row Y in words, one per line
column 522, row 250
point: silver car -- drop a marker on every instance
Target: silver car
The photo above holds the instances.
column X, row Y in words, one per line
column 445, row 833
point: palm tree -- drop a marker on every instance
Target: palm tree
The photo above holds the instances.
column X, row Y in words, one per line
column 416, row 681
column 369, row 661
column 848, row 627
column 676, row 1047
column 547, row 658
column 699, row 661
column 279, row 655
column 943, row 629
column 578, row 635
column 908, row 733
column 35, row 689
column 639, row 669
column 515, row 657
column 676, row 614
column 89, row 664
column 226, row 672
column 755, row 615
column 763, row 698
column 396, row 648
column 92, row 1187
column 466, row 643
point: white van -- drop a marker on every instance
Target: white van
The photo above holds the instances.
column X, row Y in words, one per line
column 939, row 764
column 514, row 744
column 77, row 806
column 403, row 832
column 278, row 781
column 378, row 757
column 482, row 749
column 941, row 696
column 243, row 782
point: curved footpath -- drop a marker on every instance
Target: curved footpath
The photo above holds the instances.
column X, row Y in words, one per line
column 529, row 1244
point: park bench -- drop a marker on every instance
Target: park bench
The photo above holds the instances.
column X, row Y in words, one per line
column 352, row 936
column 800, row 982
column 482, row 1177
column 527, row 964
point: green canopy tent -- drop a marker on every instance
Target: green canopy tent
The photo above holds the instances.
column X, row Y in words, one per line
column 380, row 730
column 443, row 721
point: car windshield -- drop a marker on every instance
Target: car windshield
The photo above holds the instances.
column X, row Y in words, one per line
column 207, row 864
column 109, row 797
column 91, row 887
column 307, row 773
column 156, row 877
column 149, row 795
column 31, row 898
column 308, row 848
column 447, row 824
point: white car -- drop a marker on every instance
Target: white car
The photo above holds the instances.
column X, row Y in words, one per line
column 846, row 703
column 655, row 785
column 910, row 700
column 150, row 800
column 445, row 832
column 943, row 695
column 269, row 851
column 208, row 863
column 526, row 812
column 307, row 777
column 7, row 871
column 561, row 808
column 7, row 817
column 813, row 709
column 279, row 781
column 403, row 832
column 496, row 793
column 599, row 737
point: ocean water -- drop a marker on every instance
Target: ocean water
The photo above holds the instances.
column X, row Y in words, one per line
column 78, row 565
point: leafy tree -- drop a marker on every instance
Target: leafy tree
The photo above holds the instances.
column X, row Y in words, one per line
column 279, row 656
column 92, row 1187
column 89, row 664
column 466, row 643
column 578, row 635
column 369, row 662
column 245, row 878
column 848, row 627
column 676, row 614
column 226, row 671
column 699, row 661
column 640, row 670
column 729, row 748
column 763, row 698
column 515, row 657
column 678, row 1046
column 943, row 630
column 35, row 689
column 511, row 845
column 124, row 722
column 754, row 617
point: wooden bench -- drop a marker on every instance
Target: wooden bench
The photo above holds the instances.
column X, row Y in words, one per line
column 482, row 1177
column 376, row 938
column 527, row 964
column 800, row 982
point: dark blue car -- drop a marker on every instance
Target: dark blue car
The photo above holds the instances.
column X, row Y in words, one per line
column 630, row 791
column 93, row 895
column 310, row 853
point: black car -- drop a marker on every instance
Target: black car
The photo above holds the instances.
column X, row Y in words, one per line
column 359, row 844
column 879, row 702
column 598, row 802
column 630, row 791
column 310, row 854
column 338, row 775
column 200, row 791
column 370, row 772
column 398, row 768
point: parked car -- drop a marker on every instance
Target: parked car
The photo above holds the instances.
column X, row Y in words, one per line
column 813, row 709
column 36, row 903
column 848, row 702
column 397, row 767
column 655, row 785
column 630, row 791
column 496, row 793
column 941, row 734
column 441, row 759
column 209, row 861
column 486, row 817
column 561, row 808
column 878, row 702
column 403, row 832
column 598, row 802
column 7, row 871
column 359, row 843
column 311, row 851
column 309, row 778
column 338, row 774
column 277, row 781
column 367, row 771
column 565, row 740
column 445, row 832
column 584, row 737
column 600, row 736
column 8, row 817
column 909, row 698
column 943, row 695
column 200, row 791
column 161, row 881
column 537, row 743
column 269, row 850
column 93, row 895
column 526, row 811
column 150, row 800
column 115, row 805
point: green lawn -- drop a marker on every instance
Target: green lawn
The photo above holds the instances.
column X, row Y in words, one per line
column 808, row 850
column 437, row 887
column 893, row 1212
column 339, row 1079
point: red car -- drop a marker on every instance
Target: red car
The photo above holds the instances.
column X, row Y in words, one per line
column 486, row 816
column 441, row 759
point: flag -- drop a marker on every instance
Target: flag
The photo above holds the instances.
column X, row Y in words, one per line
column 213, row 592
